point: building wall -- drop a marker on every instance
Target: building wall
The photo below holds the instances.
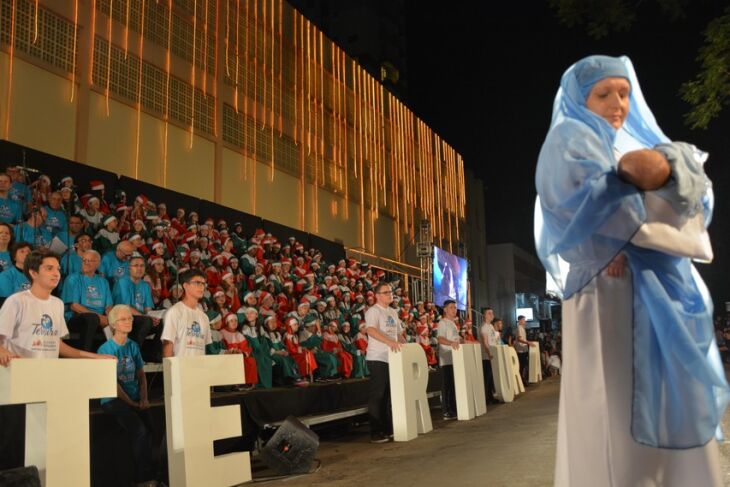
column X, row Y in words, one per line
column 185, row 126
column 512, row 270
column 501, row 279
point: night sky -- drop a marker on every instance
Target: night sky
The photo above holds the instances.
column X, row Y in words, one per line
column 484, row 76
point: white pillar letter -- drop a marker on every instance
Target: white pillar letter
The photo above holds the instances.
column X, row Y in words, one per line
column 408, row 371
column 471, row 400
column 192, row 424
column 57, row 415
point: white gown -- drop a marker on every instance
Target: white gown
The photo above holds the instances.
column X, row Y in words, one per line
column 595, row 447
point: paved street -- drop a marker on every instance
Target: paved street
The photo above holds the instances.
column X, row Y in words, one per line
column 512, row 445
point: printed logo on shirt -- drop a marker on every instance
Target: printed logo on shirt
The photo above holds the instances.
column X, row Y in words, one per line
column 125, row 368
column 93, row 297
column 6, row 212
column 194, row 330
column 139, row 301
column 119, row 271
column 45, row 327
column 25, row 286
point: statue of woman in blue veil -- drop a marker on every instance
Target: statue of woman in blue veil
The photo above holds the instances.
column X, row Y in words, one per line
column 621, row 214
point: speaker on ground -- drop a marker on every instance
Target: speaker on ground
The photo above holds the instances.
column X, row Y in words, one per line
column 292, row 448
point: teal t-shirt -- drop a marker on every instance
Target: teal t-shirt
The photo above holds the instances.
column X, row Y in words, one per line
column 129, row 361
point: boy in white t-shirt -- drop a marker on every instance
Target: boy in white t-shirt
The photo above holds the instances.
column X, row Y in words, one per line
column 186, row 329
column 385, row 331
column 487, row 338
column 32, row 322
column 448, row 339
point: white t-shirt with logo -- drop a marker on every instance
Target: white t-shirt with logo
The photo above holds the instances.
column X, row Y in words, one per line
column 32, row 327
column 447, row 329
column 188, row 329
column 387, row 322
column 487, row 331
column 520, row 333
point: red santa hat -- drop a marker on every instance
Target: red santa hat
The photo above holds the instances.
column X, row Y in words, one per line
column 96, row 185
column 142, row 199
column 87, row 199
column 262, row 296
column 157, row 245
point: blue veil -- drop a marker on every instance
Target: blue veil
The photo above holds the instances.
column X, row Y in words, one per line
column 584, row 216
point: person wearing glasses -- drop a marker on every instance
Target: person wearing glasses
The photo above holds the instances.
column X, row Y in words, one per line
column 136, row 293
column 88, row 301
column 71, row 261
column 385, row 332
column 186, row 329
column 115, row 263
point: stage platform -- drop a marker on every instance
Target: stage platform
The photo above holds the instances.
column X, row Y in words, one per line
column 319, row 405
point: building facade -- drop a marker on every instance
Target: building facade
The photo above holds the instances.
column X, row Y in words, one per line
column 241, row 102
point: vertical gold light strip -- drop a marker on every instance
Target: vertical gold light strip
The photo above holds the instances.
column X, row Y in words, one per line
column 73, row 51
column 302, row 156
column 345, row 130
column 91, row 46
column 11, row 53
column 126, row 29
column 168, row 61
column 109, row 56
column 357, row 149
column 235, row 81
column 216, row 50
column 35, row 23
column 309, row 90
column 264, row 71
column 335, row 124
column 192, row 73
column 140, row 52
column 295, row 17
column 255, row 68
column 273, row 90
column 280, row 121
column 321, row 108
column 228, row 31
column 315, row 135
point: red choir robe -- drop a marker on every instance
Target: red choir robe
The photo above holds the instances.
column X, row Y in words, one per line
column 331, row 343
column 304, row 358
column 234, row 340
column 424, row 342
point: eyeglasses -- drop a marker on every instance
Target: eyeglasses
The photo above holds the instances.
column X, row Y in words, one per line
column 136, row 265
column 385, row 292
column 197, row 283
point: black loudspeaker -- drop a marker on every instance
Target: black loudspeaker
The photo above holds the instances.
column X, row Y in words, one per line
column 292, row 448
column 20, row 477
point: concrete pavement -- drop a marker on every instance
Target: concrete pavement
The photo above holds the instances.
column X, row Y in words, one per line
column 512, row 445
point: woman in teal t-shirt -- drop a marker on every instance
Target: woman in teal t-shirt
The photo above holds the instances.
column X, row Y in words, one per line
column 130, row 408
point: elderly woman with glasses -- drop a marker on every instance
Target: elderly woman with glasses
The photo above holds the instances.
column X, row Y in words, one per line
column 621, row 213
column 130, row 407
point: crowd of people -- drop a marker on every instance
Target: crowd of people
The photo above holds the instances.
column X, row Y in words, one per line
column 294, row 317
column 131, row 281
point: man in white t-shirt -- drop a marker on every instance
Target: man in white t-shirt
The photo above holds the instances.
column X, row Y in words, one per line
column 522, row 347
column 448, row 339
column 487, row 338
column 186, row 329
column 385, row 331
column 32, row 322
